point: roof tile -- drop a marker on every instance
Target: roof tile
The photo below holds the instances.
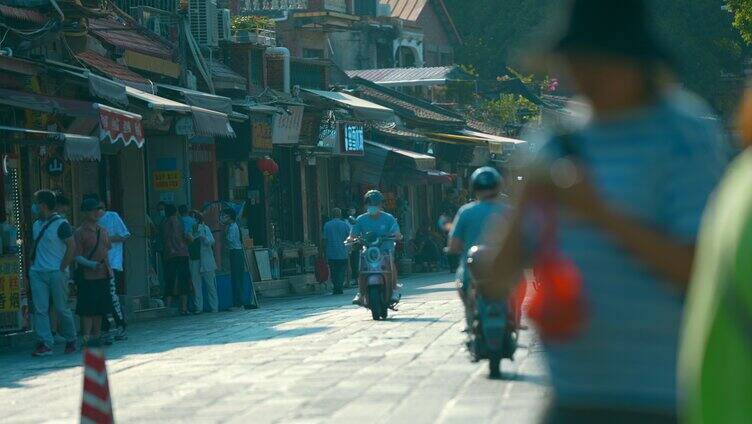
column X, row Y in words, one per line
column 110, row 67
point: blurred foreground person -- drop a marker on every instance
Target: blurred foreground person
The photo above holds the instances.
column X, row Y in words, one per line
column 716, row 352
column 619, row 203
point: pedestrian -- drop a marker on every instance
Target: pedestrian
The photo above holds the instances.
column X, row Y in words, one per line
column 626, row 191
column 93, row 273
column 51, row 255
column 187, row 218
column 354, row 252
column 177, row 272
column 234, row 240
column 716, row 349
column 118, row 233
column 336, row 231
column 203, row 265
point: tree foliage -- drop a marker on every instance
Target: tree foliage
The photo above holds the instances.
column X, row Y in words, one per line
column 742, row 11
column 700, row 35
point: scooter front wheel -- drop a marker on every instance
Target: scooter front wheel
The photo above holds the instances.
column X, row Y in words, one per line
column 494, row 366
column 375, row 302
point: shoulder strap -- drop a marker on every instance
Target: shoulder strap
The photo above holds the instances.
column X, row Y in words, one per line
column 41, row 234
column 96, row 245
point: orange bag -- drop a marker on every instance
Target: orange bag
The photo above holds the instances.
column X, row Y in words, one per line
column 321, row 271
column 558, row 306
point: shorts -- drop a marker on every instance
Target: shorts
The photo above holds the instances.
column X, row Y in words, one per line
column 94, row 298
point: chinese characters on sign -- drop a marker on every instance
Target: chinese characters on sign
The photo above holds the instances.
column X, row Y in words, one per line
column 352, row 140
column 166, row 180
column 286, row 126
column 261, row 137
column 10, row 289
column 115, row 125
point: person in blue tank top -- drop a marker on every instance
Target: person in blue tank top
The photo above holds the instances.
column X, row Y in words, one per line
column 381, row 224
column 473, row 218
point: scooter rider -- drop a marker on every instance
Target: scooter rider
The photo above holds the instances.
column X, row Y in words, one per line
column 381, row 224
column 473, row 217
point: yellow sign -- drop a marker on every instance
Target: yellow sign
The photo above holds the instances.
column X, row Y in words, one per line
column 10, row 289
column 167, row 180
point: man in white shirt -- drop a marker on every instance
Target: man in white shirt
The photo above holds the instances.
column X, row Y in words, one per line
column 118, row 232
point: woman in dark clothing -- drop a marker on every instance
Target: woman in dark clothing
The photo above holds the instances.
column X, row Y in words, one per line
column 92, row 245
column 177, row 268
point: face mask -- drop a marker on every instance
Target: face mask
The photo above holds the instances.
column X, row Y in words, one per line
column 34, row 210
column 373, row 210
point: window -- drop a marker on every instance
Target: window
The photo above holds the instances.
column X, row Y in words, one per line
column 365, row 7
column 313, row 53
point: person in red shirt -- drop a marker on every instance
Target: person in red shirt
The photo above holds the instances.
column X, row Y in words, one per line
column 93, row 273
column 177, row 266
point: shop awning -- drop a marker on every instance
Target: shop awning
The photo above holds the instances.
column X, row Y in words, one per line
column 76, row 147
column 206, row 122
column 201, row 99
column 420, row 161
column 114, row 124
column 362, row 109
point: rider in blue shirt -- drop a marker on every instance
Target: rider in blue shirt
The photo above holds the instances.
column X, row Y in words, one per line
column 472, row 218
column 381, row 224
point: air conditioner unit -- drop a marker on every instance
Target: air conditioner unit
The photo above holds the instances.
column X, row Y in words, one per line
column 202, row 15
column 384, row 9
column 223, row 24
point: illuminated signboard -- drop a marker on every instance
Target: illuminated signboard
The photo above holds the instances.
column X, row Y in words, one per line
column 352, row 140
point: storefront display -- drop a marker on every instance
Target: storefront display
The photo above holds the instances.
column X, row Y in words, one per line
column 13, row 310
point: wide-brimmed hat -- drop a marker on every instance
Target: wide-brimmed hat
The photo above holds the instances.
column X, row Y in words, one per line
column 611, row 27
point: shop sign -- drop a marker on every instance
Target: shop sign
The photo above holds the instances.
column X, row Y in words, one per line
column 352, row 140
column 286, row 126
column 10, row 289
column 166, row 180
column 55, row 167
column 120, row 126
column 261, row 136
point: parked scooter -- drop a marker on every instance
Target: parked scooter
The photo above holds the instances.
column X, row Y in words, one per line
column 375, row 267
column 494, row 321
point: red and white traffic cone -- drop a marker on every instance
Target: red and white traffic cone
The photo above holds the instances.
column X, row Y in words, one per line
column 96, row 405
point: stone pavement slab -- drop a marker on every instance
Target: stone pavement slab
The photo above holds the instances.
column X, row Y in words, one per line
column 305, row 360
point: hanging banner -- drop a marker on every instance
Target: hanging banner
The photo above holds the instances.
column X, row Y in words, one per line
column 116, row 125
column 286, row 126
column 10, row 289
column 261, row 136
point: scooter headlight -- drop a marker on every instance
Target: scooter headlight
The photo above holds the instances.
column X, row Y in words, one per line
column 373, row 255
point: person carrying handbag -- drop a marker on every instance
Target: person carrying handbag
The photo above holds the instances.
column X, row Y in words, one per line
column 93, row 272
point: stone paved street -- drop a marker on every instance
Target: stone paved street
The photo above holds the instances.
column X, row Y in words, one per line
column 306, row 360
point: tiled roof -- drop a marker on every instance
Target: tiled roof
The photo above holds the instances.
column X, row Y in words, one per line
column 402, row 133
column 486, row 127
column 121, row 32
column 221, row 71
column 110, row 67
column 407, row 106
column 408, row 10
column 405, row 76
column 26, row 15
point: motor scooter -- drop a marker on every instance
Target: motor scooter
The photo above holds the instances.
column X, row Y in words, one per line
column 493, row 320
column 376, row 269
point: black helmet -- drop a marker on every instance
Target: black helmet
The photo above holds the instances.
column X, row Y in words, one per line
column 485, row 178
column 373, row 198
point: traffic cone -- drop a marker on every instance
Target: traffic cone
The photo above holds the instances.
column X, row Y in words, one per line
column 96, row 406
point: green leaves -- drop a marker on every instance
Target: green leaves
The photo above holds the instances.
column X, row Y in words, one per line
column 251, row 23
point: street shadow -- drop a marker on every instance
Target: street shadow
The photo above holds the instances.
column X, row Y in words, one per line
column 536, row 379
column 276, row 319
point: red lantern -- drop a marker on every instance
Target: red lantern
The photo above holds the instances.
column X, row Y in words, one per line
column 267, row 166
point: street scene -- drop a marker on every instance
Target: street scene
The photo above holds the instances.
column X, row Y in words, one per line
column 304, row 360
column 376, row 211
